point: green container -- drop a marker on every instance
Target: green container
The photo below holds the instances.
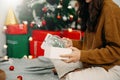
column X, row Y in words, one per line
column 18, row 45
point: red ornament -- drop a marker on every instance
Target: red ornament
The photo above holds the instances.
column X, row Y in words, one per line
column 58, row 17
column 11, row 68
column 79, row 20
column 71, row 17
column 32, row 24
column 19, row 78
column 44, row 9
column 43, row 23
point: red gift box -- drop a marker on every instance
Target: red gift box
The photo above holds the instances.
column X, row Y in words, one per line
column 73, row 34
column 16, row 29
column 35, row 49
column 40, row 35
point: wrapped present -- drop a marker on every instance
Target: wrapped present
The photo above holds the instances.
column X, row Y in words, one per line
column 18, row 45
column 35, row 49
column 16, row 29
column 73, row 34
column 40, row 35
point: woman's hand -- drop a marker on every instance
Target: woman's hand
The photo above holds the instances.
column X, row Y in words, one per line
column 68, row 42
column 73, row 57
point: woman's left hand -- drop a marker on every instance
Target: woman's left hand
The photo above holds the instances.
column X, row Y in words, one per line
column 67, row 42
column 73, row 57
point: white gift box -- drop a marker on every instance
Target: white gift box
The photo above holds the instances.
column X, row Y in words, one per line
column 55, row 52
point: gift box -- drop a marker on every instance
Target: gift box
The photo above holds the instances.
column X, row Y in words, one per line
column 55, row 52
column 73, row 34
column 16, row 29
column 35, row 49
column 18, row 45
column 39, row 35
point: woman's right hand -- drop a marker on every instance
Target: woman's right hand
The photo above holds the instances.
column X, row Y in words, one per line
column 68, row 42
column 72, row 57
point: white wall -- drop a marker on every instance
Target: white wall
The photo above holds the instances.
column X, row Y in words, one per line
column 3, row 12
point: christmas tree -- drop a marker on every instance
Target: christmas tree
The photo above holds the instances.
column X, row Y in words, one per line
column 49, row 14
column 24, row 11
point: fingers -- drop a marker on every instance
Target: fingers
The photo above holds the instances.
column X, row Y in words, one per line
column 73, row 57
column 65, row 55
column 67, row 60
column 73, row 48
column 67, row 42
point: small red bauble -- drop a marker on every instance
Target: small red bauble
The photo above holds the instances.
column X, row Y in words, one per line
column 32, row 24
column 19, row 77
column 44, row 9
column 58, row 17
column 43, row 23
column 11, row 68
column 71, row 17
column 78, row 21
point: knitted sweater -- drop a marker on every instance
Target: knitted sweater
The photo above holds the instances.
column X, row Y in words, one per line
column 102, row 48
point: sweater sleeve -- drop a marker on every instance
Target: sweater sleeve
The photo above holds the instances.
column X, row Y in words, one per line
column 77, row 44
column 111, row 52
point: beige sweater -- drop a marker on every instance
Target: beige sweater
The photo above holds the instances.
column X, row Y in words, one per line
column 93, row 52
